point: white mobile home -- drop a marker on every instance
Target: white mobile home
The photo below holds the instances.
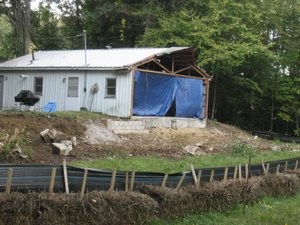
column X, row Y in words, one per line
column 118, row 82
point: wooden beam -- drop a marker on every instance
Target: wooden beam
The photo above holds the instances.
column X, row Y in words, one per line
column 163, row 67
column 169, row 74
column 163, row 184
column 183, row 69
column 9, row 180
column 52, row 180
column 132, row 90
column 180, row 181
column 206, row 97
column 83, row 184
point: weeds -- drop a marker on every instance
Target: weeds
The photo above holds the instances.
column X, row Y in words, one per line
column 243, row 150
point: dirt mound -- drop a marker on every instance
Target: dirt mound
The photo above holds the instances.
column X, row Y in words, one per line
column 95, row 140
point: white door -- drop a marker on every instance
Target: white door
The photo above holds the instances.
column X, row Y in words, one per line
column 1, row 90
column 72, row 102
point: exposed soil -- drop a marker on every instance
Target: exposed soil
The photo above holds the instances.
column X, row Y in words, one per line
column 96, row 141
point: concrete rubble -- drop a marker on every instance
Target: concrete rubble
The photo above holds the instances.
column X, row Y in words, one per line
column 58, row 141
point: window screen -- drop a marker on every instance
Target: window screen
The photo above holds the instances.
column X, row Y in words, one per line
column 111, row 87
column 73, row 86
column 38, row 85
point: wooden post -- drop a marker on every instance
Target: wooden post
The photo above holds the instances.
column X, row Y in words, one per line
column 296, row 165
column 212, row 173
column 235, row 172
column 163, row 184
column 132, row 181
column 277, row 169
column 225, row 174
column 199, row 178
column 194, row 175
column 246, row 171
column 267, row 168
column 66, row 176
column 249, row 166
column 240, row 172
column 286, row 166
column 83, row 184
column 52, row 180
column 9, row 180
column 126, row 181
column 263, row 167
column 180, row 181
column 113, row 180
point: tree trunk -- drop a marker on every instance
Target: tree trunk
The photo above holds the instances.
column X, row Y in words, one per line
column 214, row 98
column 26, row 26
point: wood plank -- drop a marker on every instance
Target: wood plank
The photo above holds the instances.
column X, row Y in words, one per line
column 246, row 171
column 286, row 166
column 296, row 165
column 263, row 167
column 170, row 74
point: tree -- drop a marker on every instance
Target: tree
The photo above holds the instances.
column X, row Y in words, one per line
column 18, row 12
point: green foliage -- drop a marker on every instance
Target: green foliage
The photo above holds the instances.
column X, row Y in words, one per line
column 243, row 150
column 167, row 165
column 275, row 211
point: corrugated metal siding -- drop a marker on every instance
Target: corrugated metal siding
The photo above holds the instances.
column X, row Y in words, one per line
column 55, row 85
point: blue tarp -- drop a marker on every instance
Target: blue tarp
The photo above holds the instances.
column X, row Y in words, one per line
column 154, row 94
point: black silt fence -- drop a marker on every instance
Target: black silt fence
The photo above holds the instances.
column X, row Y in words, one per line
column 37, row 177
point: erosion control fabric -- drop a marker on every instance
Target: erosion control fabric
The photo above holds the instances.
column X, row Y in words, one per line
column 163, row 95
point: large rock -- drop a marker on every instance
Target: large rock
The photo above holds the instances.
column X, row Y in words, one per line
column 62, row 148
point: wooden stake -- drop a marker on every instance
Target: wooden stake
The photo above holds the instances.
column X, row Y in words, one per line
column 163, row 184
column 199, row 178
column 52, row 180
column 240, row 172
column 113, row 180
column 263, row 167
column 66, row 176
column 296, row 165
column 83, row 184
column 194, row 175
column 126, row 181
column 267, row 168
column 286, row 166
column 235, row 172
column 277, row 169
column 180, row 181
column 132, row 181
column 246, row 171
column 9, row 180
column 225, row 174
column 212, row 173
column 249, row 166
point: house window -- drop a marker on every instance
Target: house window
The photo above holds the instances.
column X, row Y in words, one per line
column 73, row 86
column 38, row 85
column 110, row 88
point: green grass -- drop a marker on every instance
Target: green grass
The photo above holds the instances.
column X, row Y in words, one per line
column 171, row 165
column 268, row 211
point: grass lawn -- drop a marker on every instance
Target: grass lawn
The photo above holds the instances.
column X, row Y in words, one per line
column 169, row 165
column 268, row 211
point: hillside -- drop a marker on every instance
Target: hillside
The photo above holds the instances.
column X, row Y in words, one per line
column 95, row 141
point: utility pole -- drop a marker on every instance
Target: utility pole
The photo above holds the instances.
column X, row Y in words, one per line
column 85, row 57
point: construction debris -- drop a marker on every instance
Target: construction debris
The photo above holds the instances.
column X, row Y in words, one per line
column 58, row 141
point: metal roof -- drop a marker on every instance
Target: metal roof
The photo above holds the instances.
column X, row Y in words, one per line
column 120, row 58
